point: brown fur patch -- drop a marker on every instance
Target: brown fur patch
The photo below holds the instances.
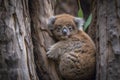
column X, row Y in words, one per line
column 64, row 19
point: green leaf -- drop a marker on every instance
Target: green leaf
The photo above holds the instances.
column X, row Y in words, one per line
column 87, row 23
column 80, row 13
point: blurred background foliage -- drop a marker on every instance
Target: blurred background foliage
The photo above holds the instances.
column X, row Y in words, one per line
column 78, row 8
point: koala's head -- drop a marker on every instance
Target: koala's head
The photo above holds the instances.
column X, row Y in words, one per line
column 64, row 25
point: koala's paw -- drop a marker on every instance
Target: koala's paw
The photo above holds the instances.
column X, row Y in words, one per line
column 51, row 54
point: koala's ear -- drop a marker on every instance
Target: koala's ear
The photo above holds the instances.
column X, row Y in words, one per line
column 79, row 22
column 50, row 23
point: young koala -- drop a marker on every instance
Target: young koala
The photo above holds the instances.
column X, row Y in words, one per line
column 74, row 51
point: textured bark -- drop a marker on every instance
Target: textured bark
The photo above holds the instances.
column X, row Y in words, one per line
column 40, row 11
column 16, row 49
column 108, row 39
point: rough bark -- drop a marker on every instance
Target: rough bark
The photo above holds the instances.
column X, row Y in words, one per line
column 108, row 39
column 40, row 11
column 16, row 49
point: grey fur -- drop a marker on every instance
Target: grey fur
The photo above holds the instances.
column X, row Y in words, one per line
column 79, row 22
column 51, row 21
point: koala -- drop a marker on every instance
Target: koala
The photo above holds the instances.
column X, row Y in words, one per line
column 74, row 50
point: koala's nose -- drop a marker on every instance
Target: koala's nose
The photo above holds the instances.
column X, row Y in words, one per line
column 64, row 31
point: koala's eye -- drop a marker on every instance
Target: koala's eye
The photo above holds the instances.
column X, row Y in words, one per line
column 70, row 28
column 58, row 29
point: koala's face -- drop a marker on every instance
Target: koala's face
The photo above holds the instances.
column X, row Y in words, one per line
column 63, row 26
column 64, row 31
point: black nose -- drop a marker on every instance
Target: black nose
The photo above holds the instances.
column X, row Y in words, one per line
column 64, row 31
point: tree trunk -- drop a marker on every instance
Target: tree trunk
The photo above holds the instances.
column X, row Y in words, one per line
column 16, row 49
column 107, row 39
column 40, row 11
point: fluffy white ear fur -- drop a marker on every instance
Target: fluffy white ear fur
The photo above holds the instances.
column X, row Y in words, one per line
column 79, row 22
column 50, row 22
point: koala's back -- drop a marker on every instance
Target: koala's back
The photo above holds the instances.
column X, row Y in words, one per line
column 77, row 60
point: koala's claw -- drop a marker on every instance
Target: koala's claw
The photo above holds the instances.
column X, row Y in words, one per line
column 48, row 54
column 48, row 49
